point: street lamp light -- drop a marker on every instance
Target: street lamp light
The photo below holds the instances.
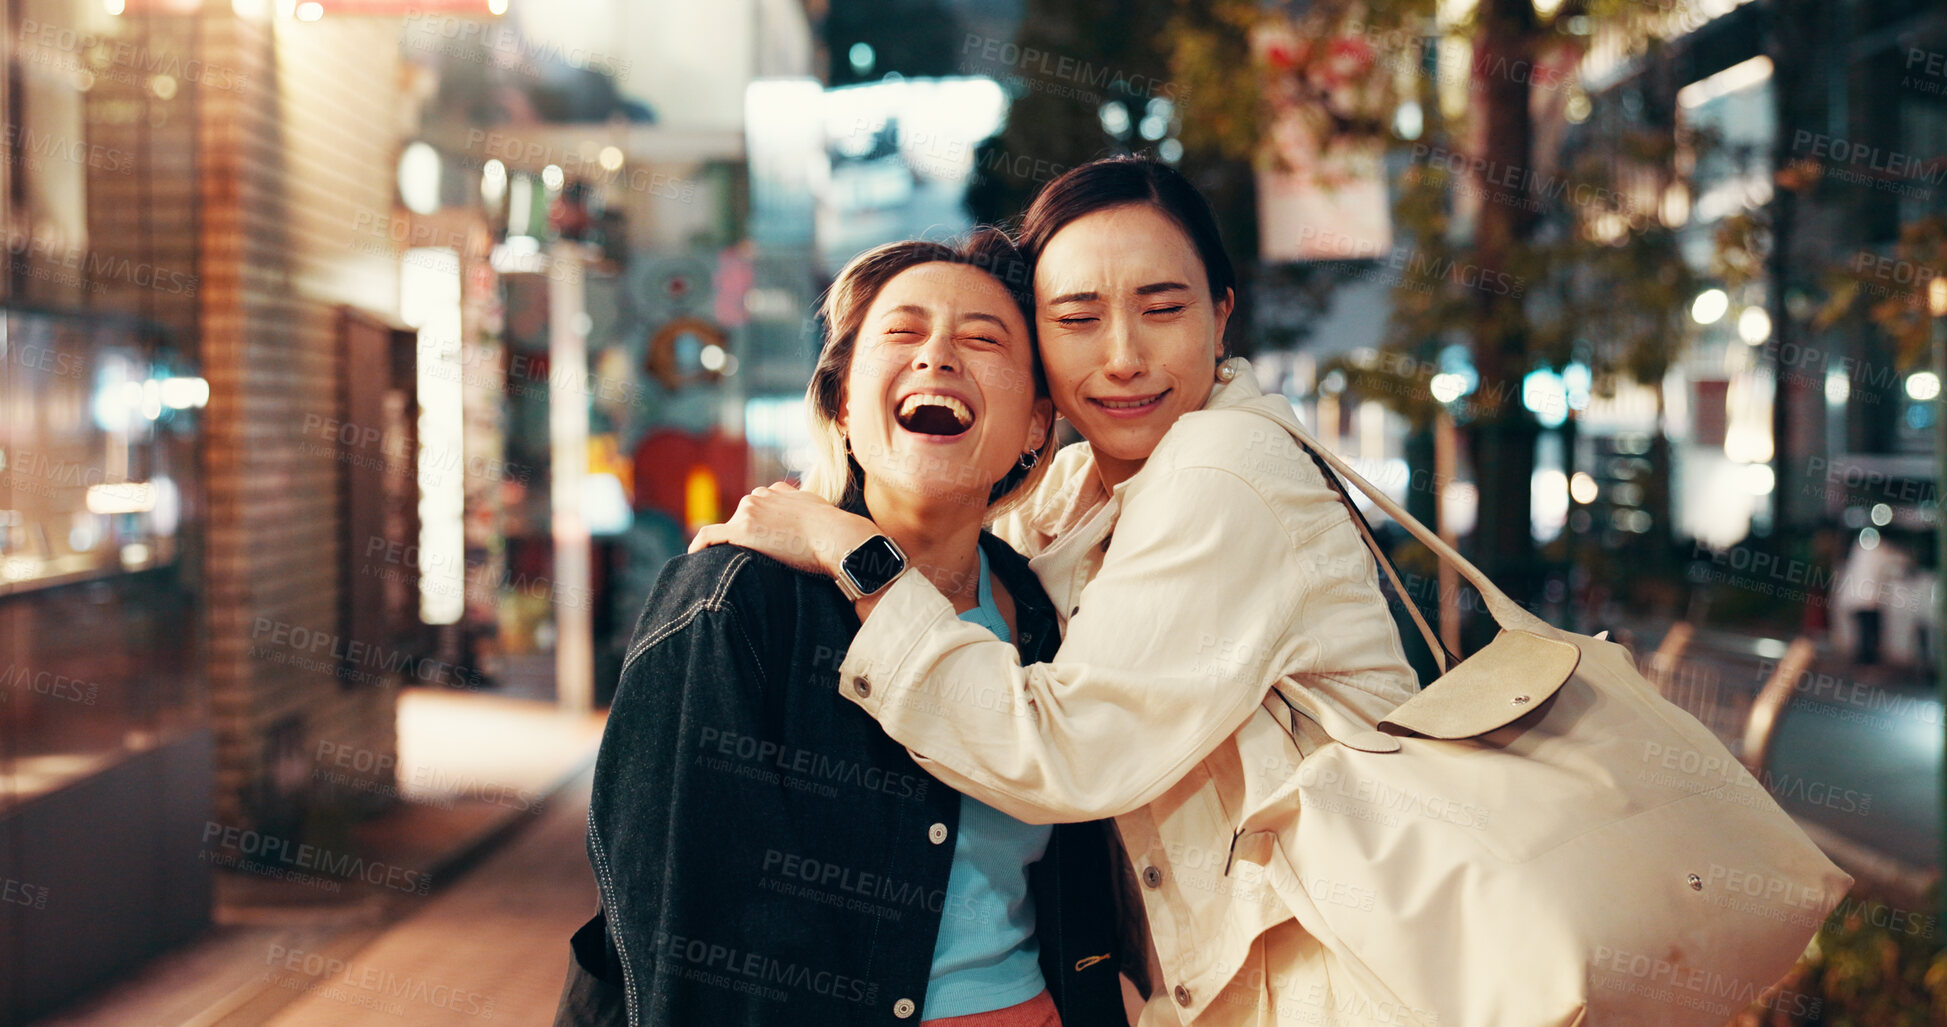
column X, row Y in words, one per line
column 1710, row 306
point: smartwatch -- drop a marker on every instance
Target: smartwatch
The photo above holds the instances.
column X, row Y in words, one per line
column 869, row 567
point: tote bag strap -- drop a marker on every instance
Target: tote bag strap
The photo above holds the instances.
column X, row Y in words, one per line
column 1505, row 611
column 1441, row 655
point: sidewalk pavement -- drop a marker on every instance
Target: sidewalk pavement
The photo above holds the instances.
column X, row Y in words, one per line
column 494, row 805
column 496, row 802
column 1856, row 757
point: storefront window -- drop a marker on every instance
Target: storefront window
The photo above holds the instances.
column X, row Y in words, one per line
column 100, row 397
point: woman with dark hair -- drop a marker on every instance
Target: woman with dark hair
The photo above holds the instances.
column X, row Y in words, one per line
column 1197, row 558
column 765, row 854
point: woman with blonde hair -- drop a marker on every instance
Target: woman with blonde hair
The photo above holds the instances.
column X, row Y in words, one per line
column 764, row 853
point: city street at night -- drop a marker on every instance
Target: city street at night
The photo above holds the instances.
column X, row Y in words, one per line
column 973, row 513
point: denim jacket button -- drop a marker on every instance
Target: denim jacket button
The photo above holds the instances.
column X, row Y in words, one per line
column 936, row 834
column 903, row 1008
column 1182, row 995
column 861, row 686
column 1152, row 877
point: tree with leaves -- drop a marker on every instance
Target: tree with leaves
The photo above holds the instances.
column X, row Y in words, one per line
column 1485, row 191
column 1597, row 277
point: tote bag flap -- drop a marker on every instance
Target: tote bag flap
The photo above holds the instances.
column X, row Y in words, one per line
column 1506, row 680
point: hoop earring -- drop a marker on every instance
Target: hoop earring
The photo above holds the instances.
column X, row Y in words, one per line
column 1029, row 459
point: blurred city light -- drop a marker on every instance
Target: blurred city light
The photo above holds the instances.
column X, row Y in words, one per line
column 123, row 497
column 493, row 183
column 1543, row 393
column 1675, row 206
column 1759, row 479
column 1582, row 488
column 1922, row 386
column 184, row 393
column 1738, row 76
column 604, row 504
column 1754, row 325
column 1709, row 306
column 1115, row 119
column 419, row 173
column 1446, row 387
column 1550, row 502
column 1748, row 442
column 1409, row 121
column 429, row 299
column 778, row 423
column 1838, row 387
column 862, row 58
column 1577, row 380
column 520, row 210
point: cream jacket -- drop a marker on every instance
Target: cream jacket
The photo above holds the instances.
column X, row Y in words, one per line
column 1226, row 564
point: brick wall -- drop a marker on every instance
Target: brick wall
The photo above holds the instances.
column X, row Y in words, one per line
column 291, row 164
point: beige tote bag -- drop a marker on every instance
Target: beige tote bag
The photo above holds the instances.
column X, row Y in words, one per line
column 1537, row 838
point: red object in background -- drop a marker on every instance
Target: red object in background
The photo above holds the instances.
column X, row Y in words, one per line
column 527, row 371
column 735, row 277
column 1711, row 417
column 663, row 461
column 568, row 217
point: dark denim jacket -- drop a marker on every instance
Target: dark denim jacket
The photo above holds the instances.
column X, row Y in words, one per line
column 765, row 854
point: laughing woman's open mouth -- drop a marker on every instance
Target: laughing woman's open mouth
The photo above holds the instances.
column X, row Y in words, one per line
column 936, row 414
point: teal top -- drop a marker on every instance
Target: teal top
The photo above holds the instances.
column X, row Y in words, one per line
column 987, row 957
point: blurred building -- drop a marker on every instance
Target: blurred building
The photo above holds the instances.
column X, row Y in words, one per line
column 1797, row 144
column 191, row 180
column 285, row 423
column 1804, row 426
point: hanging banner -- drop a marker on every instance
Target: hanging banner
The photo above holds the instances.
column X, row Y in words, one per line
column 1321, row 181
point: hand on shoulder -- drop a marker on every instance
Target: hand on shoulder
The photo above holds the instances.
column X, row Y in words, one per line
column 791, row 526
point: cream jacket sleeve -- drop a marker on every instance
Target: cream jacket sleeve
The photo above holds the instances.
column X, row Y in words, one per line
column 1192, row 616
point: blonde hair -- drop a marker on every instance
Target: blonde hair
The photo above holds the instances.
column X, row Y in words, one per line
column 833, row 473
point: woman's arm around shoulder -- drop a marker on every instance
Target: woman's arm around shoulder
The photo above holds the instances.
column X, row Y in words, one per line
column 1174, row 644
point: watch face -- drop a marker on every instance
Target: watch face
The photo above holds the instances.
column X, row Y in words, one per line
column 874, row 563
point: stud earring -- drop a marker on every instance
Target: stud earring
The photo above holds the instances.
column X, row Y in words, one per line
column 1225, row 372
